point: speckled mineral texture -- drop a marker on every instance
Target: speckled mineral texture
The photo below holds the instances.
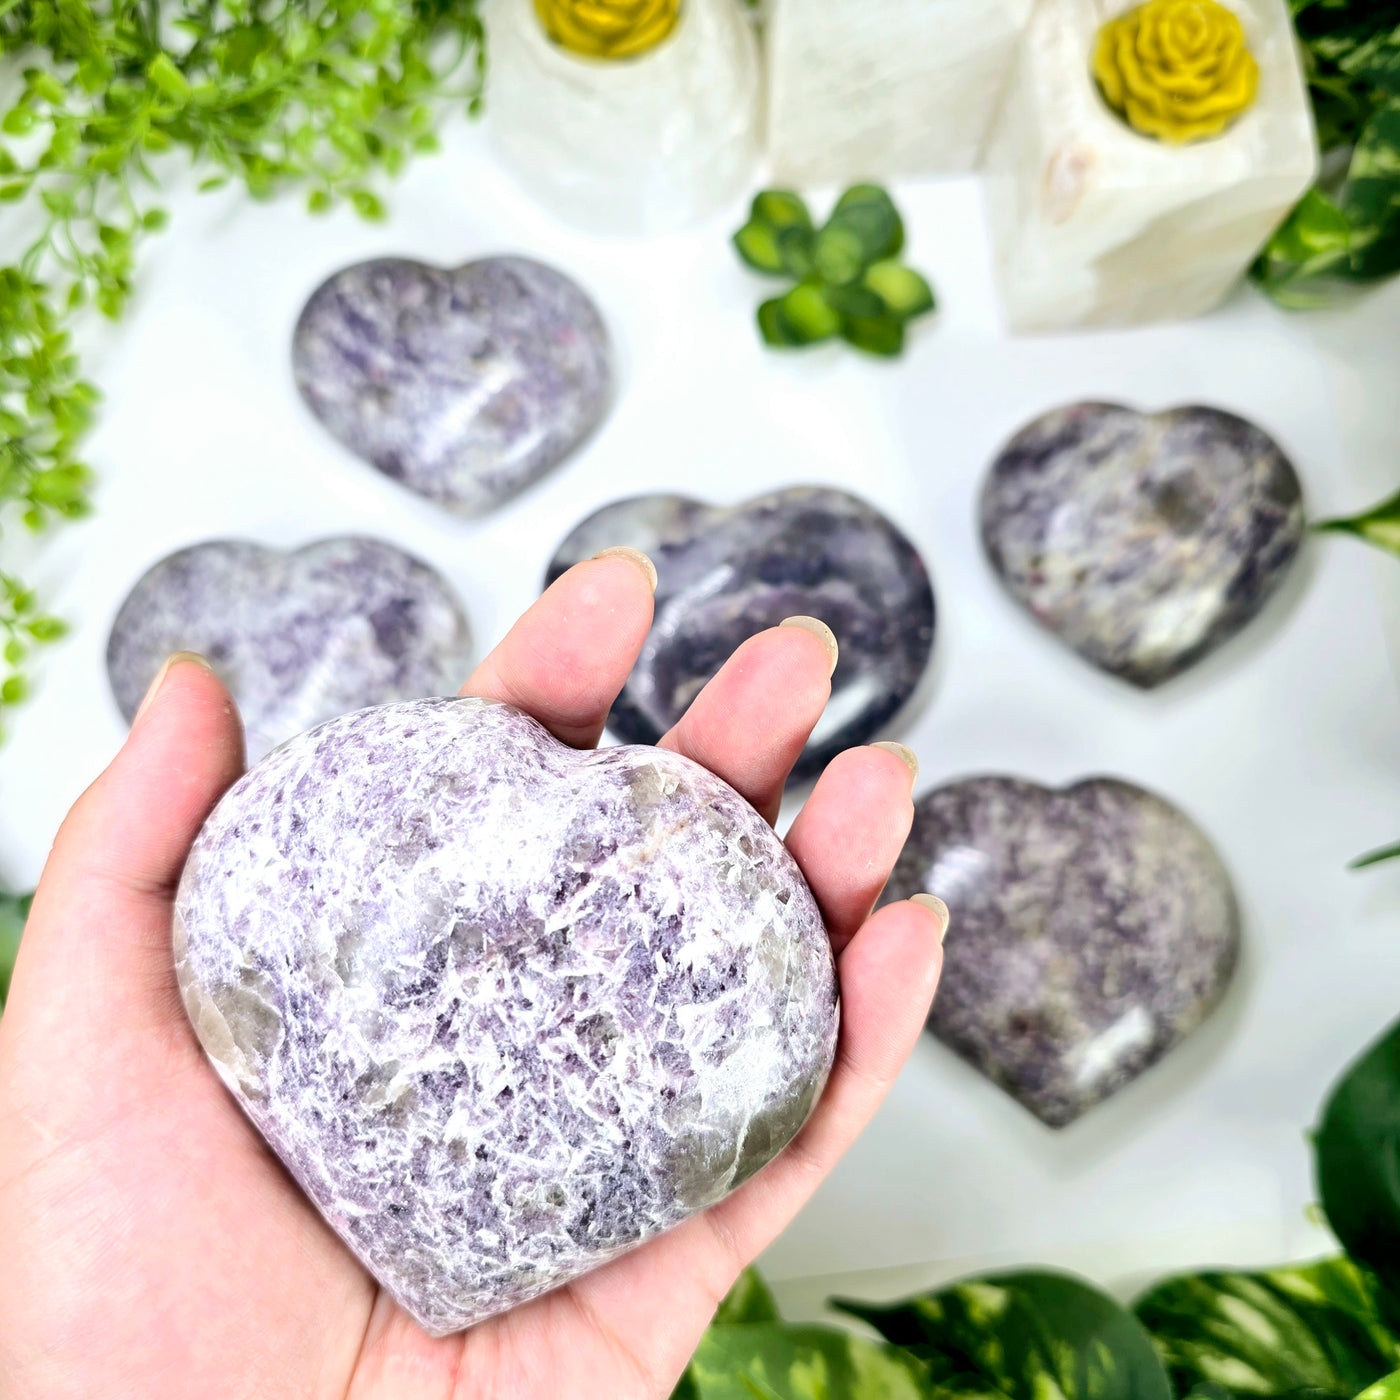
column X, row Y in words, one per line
column 726, row 574
column 1142, row 540
column 464, row 384
column 297, row 637
column 1093, row 927
column 504, row 1008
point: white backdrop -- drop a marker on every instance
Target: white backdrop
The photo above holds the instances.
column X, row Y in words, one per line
column 1285, row 747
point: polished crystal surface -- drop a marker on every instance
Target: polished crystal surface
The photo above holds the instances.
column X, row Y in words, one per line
column 1093, row 927
column 465, row 384
column 725, row 574
column 504, row 1008
column 1142, row 540
column 298, row 636
column 870, row 89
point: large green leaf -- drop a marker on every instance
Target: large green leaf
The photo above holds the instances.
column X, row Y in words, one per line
column 1357, row 1158
column 1025, row 1336
column 772, row 1362
column 1387, row 1388
column 1379, row 526
column 1314, row 1329
column 748, row 1301
column 14, row 909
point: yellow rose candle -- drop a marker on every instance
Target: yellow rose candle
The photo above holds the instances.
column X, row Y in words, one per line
column 1094, row 226
column 1178, row 70
column 608, row 28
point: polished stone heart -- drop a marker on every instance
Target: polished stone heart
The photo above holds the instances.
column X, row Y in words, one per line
column 1142, row 540
column 1092, row 928
column 297, row 637
column 725, row 574
column 504, row 1008
column 465, row 384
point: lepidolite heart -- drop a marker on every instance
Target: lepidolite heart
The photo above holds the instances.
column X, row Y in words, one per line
column 725, row 574
column 297, row 637
column 1142, row 540
column 504, row 1008
column 1093, row 927
column 464, row 384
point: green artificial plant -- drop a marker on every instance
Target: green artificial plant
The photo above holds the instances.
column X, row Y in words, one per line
column 847, row 279
column 266, row 94
column 1328, row 1330
column 1346, row 229
column 14, row 909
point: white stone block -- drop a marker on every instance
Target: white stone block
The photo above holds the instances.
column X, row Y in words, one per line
column 1095, row 225
column 868, row 89
column 640, row 145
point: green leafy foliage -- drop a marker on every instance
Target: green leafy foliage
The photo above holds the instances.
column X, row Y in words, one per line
column 849, row 281
column 1387, row 1388
column 1347, row 228
column 1315, row 1328
column 263, row 93
column 1024, row 1336
column 14, row 910
column 1357, row 1158
column 750, row 1300
column 769, row 1361
column 1379, row 526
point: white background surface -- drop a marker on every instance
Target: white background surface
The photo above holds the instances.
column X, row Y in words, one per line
column 1285, row 746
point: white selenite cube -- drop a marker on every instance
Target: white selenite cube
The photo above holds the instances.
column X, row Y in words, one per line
column 1095, row 225
column 868, row 89
column 640, row 145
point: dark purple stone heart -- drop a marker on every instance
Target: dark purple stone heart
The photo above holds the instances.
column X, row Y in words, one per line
column 505, row 1008
column 1092, row 928
column 465, row 384
column 1142, row 540
column 296, row 636
column 725, row 574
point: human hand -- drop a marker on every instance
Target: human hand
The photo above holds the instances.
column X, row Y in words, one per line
column 154, row 1247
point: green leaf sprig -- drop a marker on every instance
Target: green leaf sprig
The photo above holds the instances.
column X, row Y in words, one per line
column 1346, row 229
column 1328, row 1330
column 326, row 94
column 14, row 910
column 848, row 280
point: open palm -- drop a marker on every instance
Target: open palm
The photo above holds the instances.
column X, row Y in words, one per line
column 152, row 1246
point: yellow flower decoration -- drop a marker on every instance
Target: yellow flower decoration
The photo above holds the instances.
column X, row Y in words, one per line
column 608, row 28
column 1176, row 69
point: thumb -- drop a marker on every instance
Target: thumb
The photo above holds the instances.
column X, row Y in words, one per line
column 95, row 960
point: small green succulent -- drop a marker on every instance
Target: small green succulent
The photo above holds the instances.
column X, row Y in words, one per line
column 848, row 280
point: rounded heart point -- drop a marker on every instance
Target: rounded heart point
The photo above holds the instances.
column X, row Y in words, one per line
column 504, row 1008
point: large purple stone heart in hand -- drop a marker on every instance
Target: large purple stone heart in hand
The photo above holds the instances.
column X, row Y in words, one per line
column 297, row 636
column 504, row 1008
column 1143, row 540
column 1093, row 927
column 725, row 574
column 465, row 384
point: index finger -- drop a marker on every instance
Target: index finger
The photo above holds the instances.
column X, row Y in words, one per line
column 567, row 657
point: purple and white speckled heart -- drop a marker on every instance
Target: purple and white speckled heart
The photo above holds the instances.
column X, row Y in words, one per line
column 1094, row 927
column 505, row 1009
column 297, row 636
column 465, row 384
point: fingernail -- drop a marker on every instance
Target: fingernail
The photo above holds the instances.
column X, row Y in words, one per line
column 174, row 659
column 635, row 556
column 938, row 909
column 904, row 754
column 821, row 632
